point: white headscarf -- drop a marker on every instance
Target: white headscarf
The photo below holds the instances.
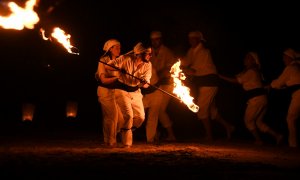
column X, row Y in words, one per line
column 196, row 34
column 110, row 43
column 139, row 48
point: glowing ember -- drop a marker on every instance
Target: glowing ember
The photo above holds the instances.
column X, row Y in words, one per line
column 180, row 90
column 20, row 17
column 62, row 38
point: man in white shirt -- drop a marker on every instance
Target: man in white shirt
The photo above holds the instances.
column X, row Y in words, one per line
column 290, row 79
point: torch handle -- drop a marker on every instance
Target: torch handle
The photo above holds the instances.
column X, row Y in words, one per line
column 142, row 80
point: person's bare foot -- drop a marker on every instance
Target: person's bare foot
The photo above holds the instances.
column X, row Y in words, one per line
column 110, row 145
column 126, row 146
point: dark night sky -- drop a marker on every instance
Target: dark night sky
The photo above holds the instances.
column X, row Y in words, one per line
column 231, row 30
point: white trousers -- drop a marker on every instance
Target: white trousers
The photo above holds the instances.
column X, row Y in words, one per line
column 206, row 102
column 292, row 116
column 131, row 106
column 255, row 113
column 106, row 98
column 157, row 103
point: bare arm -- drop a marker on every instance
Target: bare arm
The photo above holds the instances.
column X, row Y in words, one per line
column 145, row 85
column 229, row 79
column 111, row 68
column 101, row 75
column 107, row 80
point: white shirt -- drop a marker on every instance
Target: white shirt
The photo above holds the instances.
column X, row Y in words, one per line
column 199, row 59
column 162, row 58
column 290, row 76
column 143, row 70
column 250, row 79
column 103, row 70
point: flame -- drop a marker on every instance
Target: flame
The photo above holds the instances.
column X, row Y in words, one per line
column 61, row 37
column 20, row 17
column 180, row 90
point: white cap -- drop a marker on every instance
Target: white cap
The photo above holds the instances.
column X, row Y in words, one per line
column 110, row 43
column 290, row 53
column 139, row 48
column 155, row 34
column 196, row 34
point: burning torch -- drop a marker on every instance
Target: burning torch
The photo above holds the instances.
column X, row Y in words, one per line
column 183, row 96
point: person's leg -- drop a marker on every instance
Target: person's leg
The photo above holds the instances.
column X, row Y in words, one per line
column 150, row 125
column 250, row 118
column 215, row 115
column 229, row 127
column 163, row 116
column 110, row 116
column 205, row 98
column 153, row 102
column 261, row 104
column 292, row 116
column 137, row 108
column 123, row 100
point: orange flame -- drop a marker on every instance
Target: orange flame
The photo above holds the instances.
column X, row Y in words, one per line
column 62, row 38
column 180, row 90
column 20, row 17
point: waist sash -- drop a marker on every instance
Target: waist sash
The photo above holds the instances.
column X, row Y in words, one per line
column 255, row 92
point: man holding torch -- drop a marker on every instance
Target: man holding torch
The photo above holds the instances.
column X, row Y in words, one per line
column 290, row 79
column 136, row 73
column 155, row 100
column 199, row 65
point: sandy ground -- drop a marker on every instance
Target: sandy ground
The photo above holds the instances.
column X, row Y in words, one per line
column 84, row 157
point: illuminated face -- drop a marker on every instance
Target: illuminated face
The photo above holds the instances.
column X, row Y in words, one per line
column 148, row 56
column 115, row 50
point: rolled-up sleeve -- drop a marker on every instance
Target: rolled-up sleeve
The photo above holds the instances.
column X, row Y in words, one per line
column 148, row 72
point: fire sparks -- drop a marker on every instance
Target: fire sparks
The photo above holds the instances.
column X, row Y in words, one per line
column 20, row 17
column 180, row 90
column 27, row 17
column 62, row 38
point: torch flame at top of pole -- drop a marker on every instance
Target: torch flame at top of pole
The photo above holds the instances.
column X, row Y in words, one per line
column 64, row 39
column 20, row 17
column 61, row 37
column 180, row 90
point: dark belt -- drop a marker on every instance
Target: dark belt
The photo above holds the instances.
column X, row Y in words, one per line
column 150, row 89
column 255, row 92
column 109, row 86
column 291, row 89
column 125, row 87
column 162, row 81
column 119, row 85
